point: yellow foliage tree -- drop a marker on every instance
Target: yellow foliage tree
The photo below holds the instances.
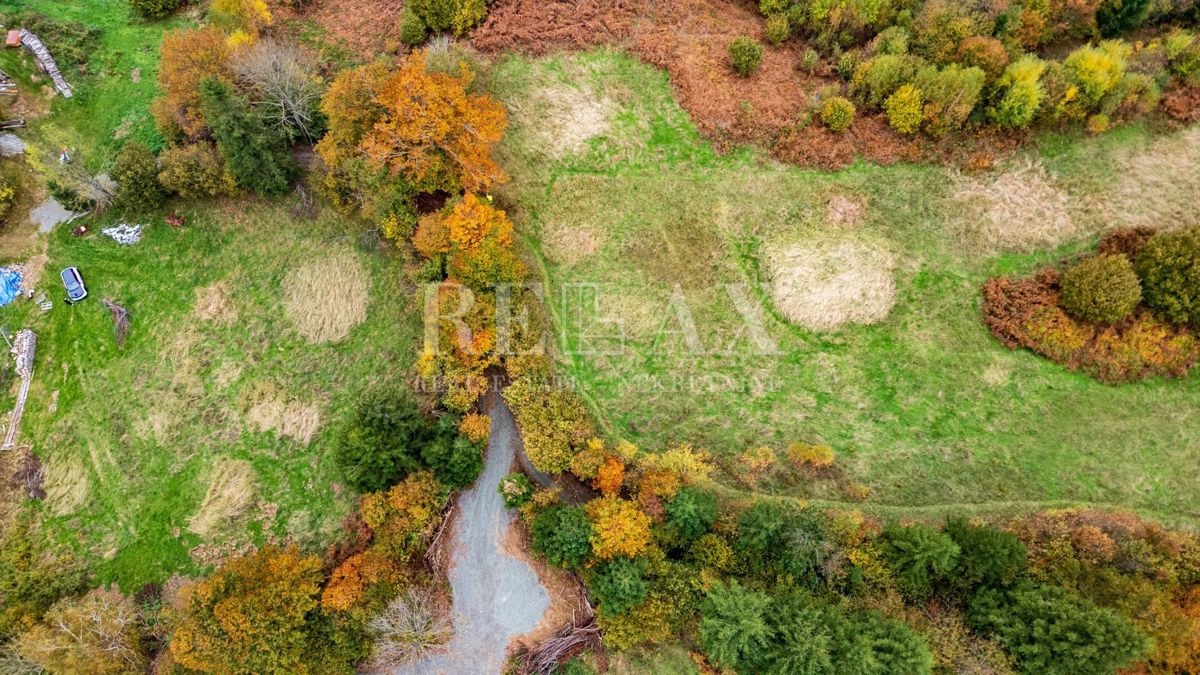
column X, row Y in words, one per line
column 619, row 528
column 250, row 615
column 187, row 57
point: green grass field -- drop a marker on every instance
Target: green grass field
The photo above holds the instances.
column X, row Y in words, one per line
column 130, row 436
column 924, row 407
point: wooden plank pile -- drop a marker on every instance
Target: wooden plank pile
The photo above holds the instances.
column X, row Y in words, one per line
column 24, row 348
column 45, row 62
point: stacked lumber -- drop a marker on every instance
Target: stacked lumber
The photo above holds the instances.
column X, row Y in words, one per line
column 45, row 62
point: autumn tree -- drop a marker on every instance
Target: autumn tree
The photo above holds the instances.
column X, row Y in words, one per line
column 253, row 614
column 619, row 527
column 351, row 107
column 433, row 133
column 187, row 58
column 479, row 242
column 249, row 17
column 99, row 633
column 32, row 577
column 403, row 516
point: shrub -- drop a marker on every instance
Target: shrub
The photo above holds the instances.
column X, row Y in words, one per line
column 194, row 171
column 1096, row 70
column 868, row 642
column 745, row 55
column 254, row 614
column 892, row 40
column 986, row 53
column 875, row 80
column 1115, row 17
column 516, row 489
column 552, row 422
column 1102, row 289
column 383, row 441
column 136, row 173
column 619, row 527
column 99, row 633
column 154, row 9
column 988, row 556
column 778, row 29
column 812, row 456
column 734, row 630
column 941, row 26
column 692, row 512
column 837, row 113
column 1022, row 93
column 563, row 536
column 848, row 63
column 919, row 556
column 412, row 28
column 803, row 638
column 618, row 585
column 904, row 109
column 255, row 154
column 403, row 517
column 1169, row 267
column 950, row 94
column 456, row 460
column 8, row 196
column 457, row 15
column 1051, row 631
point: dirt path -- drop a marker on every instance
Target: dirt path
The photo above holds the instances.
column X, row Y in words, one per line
column 496, row 596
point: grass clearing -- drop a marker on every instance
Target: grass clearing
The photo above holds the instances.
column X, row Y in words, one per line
column 924, row 407
column 135, row 438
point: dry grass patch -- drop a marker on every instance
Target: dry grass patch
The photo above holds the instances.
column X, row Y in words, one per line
column 327, row 297
column 67, row 484
column 823, row 286
column 572, row 244
column 563, row 118
column 845, row 211
column 1154, row 187
column 271, row 410
column 214, row 303
column 1020, row 209
column 230, row 494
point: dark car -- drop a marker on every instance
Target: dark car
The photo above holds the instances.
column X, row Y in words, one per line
column 74, row 283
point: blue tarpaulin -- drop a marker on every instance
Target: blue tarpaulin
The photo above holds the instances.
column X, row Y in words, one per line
column 10, row 286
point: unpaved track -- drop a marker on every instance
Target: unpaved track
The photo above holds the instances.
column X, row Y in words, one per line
column 496, row 596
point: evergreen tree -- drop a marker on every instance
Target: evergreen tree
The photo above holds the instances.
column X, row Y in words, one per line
column 255, row 153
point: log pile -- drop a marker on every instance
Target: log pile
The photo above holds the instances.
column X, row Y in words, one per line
column 24, row 347
column 45, row 62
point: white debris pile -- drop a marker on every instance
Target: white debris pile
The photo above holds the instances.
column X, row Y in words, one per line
column 124, row 233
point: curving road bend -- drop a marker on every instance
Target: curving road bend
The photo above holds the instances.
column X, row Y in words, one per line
column 496, row 597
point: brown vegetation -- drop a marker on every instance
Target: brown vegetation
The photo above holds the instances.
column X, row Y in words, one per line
column 1028, row 313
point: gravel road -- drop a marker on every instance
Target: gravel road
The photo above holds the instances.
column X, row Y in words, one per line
column 496, row 596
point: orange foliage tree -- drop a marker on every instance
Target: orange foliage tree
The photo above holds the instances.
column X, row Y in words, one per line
column 619, row 527
column 251, row 615
column 357, row 576
column 610, row 476
column 435, row 134
column 188, row 56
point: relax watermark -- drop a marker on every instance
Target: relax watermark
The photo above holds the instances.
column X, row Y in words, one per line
column 503, row 313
